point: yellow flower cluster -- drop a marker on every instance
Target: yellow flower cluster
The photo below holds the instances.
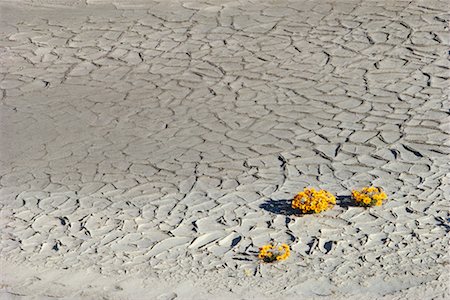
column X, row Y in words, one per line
column 270, row 253
column 369, row 196
column 312, row 201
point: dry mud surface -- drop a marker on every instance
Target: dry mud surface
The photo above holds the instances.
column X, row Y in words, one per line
column 149, row 148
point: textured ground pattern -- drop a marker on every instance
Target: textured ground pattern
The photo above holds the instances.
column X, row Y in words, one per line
column 164, row 140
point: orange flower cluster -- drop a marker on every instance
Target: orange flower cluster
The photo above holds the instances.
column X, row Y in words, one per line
column 270, row 253
column 312, row 201
column 369, row 196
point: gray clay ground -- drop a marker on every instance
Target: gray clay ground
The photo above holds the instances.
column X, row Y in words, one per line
column 155, row 145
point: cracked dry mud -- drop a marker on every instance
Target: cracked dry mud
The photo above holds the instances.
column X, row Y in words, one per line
column 146, row 147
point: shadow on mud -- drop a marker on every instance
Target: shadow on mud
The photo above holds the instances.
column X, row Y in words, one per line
column 283, row 206
column 280, row 207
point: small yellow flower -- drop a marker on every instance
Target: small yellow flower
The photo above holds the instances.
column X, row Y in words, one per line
column 310, row 200
column 369, row 196
column 270, row 253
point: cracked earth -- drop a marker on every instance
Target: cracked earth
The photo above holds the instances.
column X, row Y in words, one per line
column 148, row 149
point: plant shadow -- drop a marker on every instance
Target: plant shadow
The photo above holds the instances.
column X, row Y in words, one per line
column 283, row 206
column 345, row 201
column 280, row 207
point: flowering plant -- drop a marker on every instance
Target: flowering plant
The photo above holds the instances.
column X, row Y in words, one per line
column 270, row 253
column 312, row 201
column 369, row 196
